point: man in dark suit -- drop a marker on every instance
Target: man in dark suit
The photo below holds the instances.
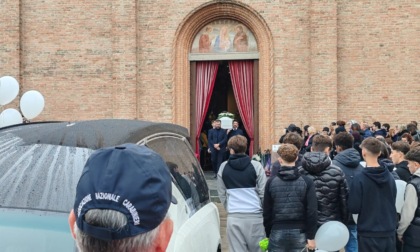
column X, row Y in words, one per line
column 235, row 130
column 217, row 143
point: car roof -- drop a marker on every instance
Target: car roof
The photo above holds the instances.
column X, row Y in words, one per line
column 94, row 134
column 41, row 163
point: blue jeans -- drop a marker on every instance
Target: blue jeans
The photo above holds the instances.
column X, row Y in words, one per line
column 286, row 240
column 351, row 245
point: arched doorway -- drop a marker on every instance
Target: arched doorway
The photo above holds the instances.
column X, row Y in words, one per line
column 234, row 90
column 225, row 51
column 184, row 64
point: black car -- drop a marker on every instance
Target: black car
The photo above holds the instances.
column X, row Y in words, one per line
column 40, row 165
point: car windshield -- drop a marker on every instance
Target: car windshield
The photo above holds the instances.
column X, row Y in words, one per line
column 34, row 230
column 39, row 176
column 184, row 167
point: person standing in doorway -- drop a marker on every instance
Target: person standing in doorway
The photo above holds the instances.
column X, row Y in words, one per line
column 235, row 130
column 217, row 143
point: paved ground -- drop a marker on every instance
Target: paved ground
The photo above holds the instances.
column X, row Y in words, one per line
column 211, row 182
column 222, row 213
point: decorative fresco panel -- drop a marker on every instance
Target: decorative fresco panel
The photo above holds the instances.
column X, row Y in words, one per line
column 224, row 36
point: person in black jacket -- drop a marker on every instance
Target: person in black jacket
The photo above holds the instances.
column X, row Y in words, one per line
column 217, row 144
column 384, row 159
column 330, row 184
column 412, row 129
column 290, row 206
column 231, row 133
column 340, row 127
column 378, row 130
column 348, row 159
column 290, row 138
column 399, row 149
column 372, row 197
column 409, row 225
column 291, row 128
column 235, row 130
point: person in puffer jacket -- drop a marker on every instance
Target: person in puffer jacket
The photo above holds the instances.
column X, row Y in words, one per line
column 330, row 185
column 290, row 206
column 348, row 159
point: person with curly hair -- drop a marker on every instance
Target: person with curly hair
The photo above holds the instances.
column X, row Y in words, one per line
column 290, row 206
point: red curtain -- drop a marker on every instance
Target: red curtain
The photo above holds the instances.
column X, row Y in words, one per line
column 241, row 73
column 206, row 76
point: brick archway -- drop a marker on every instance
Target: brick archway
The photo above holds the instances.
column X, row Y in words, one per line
column 184, row 37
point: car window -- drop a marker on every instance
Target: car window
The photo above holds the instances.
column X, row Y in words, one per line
column 39, row 176
column 185, row 169
column 27, row 230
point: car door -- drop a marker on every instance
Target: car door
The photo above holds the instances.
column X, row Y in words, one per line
column 196, row 219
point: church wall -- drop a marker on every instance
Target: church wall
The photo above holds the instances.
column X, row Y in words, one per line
column 10, row 41
column 80, row 55
column 379, row 58
column 114, row 59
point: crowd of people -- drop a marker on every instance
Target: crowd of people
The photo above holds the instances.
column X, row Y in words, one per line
column 346, row 169
column 407, row 133
column 318, row 178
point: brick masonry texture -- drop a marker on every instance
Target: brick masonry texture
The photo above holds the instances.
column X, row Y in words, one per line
column 320, row 60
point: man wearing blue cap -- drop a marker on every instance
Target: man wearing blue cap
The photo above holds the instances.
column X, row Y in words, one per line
column 122, row 200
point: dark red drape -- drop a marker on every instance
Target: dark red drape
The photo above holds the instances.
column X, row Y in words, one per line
column 241, row 73
column 206, row 76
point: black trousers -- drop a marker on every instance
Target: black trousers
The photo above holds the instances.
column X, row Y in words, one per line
column 376, row 244
column 217, row 159
column 409, row 248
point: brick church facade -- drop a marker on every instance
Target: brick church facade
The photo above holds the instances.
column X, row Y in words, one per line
column 318, row 60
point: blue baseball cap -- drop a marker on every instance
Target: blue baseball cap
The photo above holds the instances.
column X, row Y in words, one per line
column 133, row 180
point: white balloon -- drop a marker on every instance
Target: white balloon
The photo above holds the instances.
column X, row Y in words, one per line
column 9, row 89
column 399, row 202
column 31, row 104
column 332, row 236
column 10, row 117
